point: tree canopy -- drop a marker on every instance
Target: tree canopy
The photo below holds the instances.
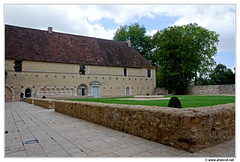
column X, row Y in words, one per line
column 139, row 40
column 182, row 52
column 219, row 75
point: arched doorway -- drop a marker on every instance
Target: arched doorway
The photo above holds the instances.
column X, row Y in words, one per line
column 82, row 90
column 28, row 92
column 8, row 94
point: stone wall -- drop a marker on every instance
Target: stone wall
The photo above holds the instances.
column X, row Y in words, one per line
column 29, row 100
column 46, row 103
column 190, row 129
column 63, row 80
column 160, row 91
column 211, row 89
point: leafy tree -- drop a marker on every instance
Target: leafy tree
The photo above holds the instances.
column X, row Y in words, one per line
column 182, row 52
column 139, row 40
column 222, row 75
column 219, row 75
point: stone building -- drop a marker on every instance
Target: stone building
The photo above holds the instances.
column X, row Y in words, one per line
column 46, row 63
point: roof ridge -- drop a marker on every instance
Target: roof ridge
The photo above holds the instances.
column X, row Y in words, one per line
column 58, row 32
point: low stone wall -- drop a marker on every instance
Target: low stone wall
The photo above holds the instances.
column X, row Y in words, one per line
column 211, row 89
column 64, row 97
column 46, row 103
column 160, row 91
column 28, row 100
column 189, row 129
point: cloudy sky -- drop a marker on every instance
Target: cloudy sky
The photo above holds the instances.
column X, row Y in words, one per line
column 102, row 21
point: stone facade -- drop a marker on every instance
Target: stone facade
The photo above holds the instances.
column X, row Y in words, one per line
column 46, row 63
column 63, row 80
column 211, row 89
column 190, row 129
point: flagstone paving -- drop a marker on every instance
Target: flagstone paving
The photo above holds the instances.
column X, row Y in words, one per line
column 53, row 134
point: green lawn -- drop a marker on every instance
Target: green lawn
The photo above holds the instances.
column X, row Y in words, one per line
column 186, row 101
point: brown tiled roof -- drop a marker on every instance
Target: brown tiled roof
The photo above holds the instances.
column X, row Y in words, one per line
column 38, row 45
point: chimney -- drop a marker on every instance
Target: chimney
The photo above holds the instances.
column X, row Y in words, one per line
column 50, row 30
column 128, row 43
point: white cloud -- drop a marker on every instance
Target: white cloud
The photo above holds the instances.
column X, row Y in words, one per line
column 151, row 32
column 85, row 19
column 217, row 18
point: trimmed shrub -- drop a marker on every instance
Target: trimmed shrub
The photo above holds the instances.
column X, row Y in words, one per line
column 174, row 102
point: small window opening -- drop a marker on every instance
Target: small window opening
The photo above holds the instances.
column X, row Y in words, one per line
column 149, row 75
column 125, row 72
column 82, row 70
column 18, row 66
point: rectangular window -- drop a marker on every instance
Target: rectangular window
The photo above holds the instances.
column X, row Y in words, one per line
column 82, row 70
column 149, row 75
column 18, row 66
column 125, row 72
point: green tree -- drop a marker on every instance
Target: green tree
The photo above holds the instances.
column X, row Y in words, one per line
column 139, row 40
column 182, row 53
column 222, row 75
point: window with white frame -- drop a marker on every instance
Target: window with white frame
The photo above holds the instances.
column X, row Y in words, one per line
column 125, row 73
column 149, row 73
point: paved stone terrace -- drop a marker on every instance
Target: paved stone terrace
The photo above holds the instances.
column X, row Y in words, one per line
column 59, row 135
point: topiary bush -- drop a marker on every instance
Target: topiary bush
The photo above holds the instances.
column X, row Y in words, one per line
column 174, row 102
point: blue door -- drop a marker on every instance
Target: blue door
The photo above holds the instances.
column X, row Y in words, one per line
column 95, row 91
